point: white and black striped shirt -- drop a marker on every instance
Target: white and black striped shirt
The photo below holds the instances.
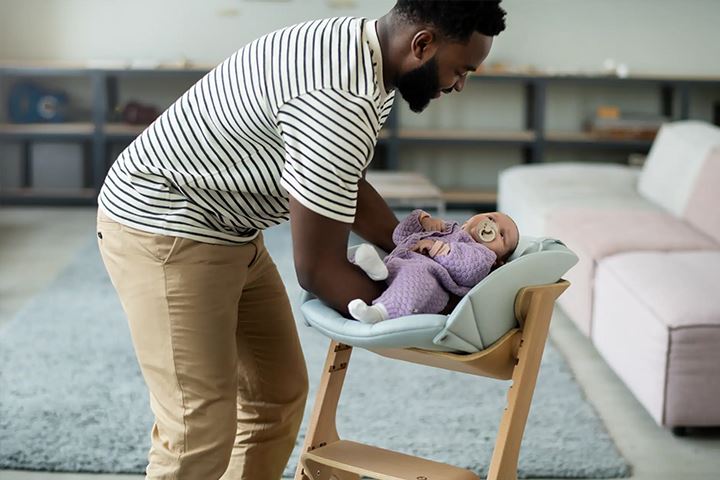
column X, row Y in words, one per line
column 295, row 112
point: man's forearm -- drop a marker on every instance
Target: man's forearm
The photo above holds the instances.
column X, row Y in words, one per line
column 374, row 220
column 337, row 285
column 321, row 263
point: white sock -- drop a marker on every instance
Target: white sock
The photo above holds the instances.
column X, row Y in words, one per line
column 360, row 310
column 367, row 258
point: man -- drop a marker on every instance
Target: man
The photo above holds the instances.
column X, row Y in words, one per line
column 284, row 128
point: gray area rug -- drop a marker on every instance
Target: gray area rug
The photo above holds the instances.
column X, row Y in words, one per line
column 72, row 398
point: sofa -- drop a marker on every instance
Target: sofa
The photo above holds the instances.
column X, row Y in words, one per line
column 646, row 289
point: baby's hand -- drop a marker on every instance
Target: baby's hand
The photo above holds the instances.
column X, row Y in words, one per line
column 431, row 224
column 431, row 247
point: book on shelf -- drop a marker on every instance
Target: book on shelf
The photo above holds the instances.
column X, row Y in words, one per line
column 610, row 122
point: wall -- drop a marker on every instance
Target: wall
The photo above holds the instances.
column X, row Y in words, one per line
column 651, row 36
column 658, row 36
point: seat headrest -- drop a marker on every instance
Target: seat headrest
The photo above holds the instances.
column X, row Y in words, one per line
column 487, row 311
column 528, row 244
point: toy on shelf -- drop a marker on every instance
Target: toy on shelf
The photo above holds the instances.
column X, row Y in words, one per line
column 136, row 113
column 32, row 103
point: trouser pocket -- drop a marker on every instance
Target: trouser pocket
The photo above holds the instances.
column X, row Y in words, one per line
column 155, row 246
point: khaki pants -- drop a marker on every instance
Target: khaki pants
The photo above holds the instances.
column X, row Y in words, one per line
column 218, row 348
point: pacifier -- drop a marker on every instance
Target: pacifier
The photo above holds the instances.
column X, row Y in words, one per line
column 487, row 230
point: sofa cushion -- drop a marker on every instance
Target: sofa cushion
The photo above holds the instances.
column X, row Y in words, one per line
column 675, row 161
column 596, row 234
column 529, row 192
column 681, row 288
column 657, row 324
column 702, row 209
column 602, row 233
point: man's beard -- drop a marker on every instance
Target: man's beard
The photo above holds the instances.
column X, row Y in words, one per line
column 419, row 86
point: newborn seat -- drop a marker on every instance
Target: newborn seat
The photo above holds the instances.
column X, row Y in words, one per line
column 497, row 330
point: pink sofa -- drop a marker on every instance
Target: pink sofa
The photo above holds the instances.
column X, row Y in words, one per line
column 647, row 287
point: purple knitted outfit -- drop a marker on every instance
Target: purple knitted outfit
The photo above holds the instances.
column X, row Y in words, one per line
column 418, row 283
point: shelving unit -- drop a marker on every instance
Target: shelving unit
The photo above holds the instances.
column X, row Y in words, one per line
column 459, row 136
column 96, row 135
column 673, row 102
column 100, row 132
column 50, row 130
column 588, row 140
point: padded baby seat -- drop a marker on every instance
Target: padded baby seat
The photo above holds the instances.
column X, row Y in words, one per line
column 497, row 330
column 484, row 315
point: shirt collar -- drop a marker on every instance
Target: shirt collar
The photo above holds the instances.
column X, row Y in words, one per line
column 374, row 42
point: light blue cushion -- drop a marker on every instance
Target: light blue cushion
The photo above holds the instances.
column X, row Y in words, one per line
column 481, row 317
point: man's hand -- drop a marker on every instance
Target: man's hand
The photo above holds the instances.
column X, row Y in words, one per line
column 431, row 248
column 321, row 263
column 431, row 224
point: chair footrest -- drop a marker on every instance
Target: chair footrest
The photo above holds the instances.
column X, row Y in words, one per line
column 379, row 463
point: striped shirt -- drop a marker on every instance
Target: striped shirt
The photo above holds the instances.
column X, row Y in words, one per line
column 295, row 112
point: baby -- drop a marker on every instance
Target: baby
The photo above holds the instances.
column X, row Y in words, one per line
column 433, row 258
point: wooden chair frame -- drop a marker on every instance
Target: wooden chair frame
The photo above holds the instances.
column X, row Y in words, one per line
column 515, row 356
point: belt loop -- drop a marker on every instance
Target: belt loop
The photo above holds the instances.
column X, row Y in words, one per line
column 259, row 243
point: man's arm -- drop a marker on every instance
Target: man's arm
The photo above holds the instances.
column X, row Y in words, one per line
column 321, row 264
column 374, row 221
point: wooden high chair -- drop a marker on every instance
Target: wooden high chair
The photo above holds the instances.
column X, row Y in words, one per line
column 515, row 356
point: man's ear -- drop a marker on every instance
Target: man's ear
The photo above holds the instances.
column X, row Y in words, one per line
column 424, row 44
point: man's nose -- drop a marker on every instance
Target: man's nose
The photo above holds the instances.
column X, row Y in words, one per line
column 460, row 84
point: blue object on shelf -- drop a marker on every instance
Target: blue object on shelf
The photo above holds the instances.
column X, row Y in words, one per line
column 30, row 103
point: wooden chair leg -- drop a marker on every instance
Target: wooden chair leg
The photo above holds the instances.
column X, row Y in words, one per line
column 534, row 309
column 322, row 429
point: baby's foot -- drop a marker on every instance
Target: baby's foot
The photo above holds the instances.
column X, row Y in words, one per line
column 367, row 258
column 360, row 310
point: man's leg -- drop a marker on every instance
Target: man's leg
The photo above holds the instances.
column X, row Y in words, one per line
column 181, row 299
column 272, row 377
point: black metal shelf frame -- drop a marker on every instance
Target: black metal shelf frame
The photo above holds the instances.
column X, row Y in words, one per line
column 104, row 92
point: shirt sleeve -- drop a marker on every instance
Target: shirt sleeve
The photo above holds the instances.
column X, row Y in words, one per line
column 329, row 138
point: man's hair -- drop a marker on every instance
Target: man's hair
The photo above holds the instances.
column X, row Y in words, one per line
column 456, row 19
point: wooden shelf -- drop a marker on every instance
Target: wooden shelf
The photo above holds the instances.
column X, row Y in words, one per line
column 483, row 136
column 460, row 196
column 589, row 76
column 384, row 134
column 112, row 66
column 120, row 68
column 47, row 196
column 405, row 185
column 586, row 139
column 34, row 192
column 123, row 130
column 39, row 130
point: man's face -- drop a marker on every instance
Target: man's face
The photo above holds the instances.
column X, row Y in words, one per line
column 443, row 71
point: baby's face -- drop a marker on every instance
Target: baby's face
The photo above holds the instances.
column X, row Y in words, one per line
column 506, row 238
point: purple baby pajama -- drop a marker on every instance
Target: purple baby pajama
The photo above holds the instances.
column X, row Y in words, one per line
column 420, row 284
